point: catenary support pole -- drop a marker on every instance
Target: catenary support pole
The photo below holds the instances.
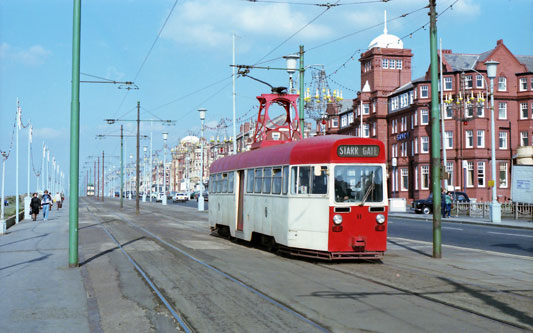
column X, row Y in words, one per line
column 301, row 85
column 17, row 208
column 234, row 106
column 435, row 133
column 103, row 179
column 74, row 137
column 121, row 166
column 443, row 130
column 27, row 199
column 3, row 226
column 137, row 182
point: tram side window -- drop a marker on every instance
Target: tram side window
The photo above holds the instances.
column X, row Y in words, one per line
column 230, row 182
column 320, row 183
column 294, row 178
column 285, row 179
column 224, row 182
column 304, row 180
column 258, row 180
column 267, row 180
column 212, row 182
column 219, row 184
column 250, row 180
column 276, row 181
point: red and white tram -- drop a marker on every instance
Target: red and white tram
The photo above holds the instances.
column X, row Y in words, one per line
column 321, row 197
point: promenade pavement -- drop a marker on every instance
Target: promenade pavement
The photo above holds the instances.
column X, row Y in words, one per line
column 509, row 223
column 40, row 293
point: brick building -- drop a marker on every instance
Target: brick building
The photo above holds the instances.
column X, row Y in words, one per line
column 397, row 111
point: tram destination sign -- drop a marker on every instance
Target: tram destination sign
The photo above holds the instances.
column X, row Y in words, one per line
column 358, row 151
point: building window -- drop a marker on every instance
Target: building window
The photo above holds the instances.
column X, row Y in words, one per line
column 449, row 170
column 394, row 103
column 385, row 63
column 503, row 174
column 481, row 138
column 392, row 63
column 403, row 150
column 374, row 107
column 469, row 139
column 447, row 83
column 416, row 145
column 448, row 139
column 503, row 140
column 344, row 121
column 470, row 174
column 480, row 111
column 424, row 92
column 424, row 117
column 425, row 177
column 411, row 97
column 412, row 121
column 424, row 144
column 366, row 130
column 480, row 174
column 523, row 84
column 395, row 126
column 416, row 178
column 403, row 125
column 523, row 111
column 394, row 150
column 479, row 81
column 373, row 129
column 335, row 122
column 350, row 117
column 416, row 117
column 502, row 110
column 524, row 140
column 404, row 181
column 469, row 111
column 502, row 83
column 404, row 99
column 448, row 113
column 468, row 82
column 366, row 108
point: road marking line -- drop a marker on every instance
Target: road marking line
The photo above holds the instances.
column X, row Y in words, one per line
column 503, row 233
column 451, row 228
column 466, row 248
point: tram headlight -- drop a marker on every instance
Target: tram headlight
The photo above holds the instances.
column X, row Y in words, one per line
column 380, row 218
column 337, row 219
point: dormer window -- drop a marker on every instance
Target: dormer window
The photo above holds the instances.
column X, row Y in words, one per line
column 424, row 92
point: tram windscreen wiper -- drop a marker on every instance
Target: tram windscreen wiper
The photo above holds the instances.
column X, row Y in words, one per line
column 370, row 188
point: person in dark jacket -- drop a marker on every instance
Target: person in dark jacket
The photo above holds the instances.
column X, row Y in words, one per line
column 35, row 205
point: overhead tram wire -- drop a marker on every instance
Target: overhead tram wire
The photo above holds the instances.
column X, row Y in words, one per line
column 402, row 38
column 294, row 34
column 156, row 39
column 327, row 4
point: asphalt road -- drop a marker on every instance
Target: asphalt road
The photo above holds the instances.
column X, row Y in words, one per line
column 488, row 238
column 191, row 203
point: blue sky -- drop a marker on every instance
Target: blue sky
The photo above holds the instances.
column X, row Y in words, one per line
column 194, row 51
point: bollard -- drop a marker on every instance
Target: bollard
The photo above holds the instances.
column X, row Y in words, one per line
column 3, row 227
column 27, row 201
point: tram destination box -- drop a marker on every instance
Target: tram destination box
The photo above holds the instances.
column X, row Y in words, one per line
column 358, row 151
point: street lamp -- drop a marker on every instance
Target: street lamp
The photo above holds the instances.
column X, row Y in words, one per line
column 201, row 197
column 495, row 208
column 164, row 200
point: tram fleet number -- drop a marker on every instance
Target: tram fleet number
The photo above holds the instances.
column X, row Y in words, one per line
column 358, row 151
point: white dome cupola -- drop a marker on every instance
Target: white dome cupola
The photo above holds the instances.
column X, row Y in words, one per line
column 385, row 40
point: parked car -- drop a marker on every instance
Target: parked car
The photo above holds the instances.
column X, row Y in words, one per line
column 205, row 194
column 426, row 205
column 180, row 197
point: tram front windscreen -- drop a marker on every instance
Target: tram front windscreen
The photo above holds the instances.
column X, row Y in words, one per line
column 358, row 183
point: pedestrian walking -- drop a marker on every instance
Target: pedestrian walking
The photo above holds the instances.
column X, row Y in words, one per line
column 443, row 204
column 35, row 205
column 57, row 200
column 46, row 204
column 448, row 201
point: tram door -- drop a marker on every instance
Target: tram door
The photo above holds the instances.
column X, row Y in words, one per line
column 240, row 201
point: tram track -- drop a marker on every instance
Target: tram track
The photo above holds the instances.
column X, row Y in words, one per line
column 428, row 296
column 179, row 316
column 432, row 297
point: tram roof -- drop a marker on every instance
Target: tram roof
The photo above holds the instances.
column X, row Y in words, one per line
column 315, row 150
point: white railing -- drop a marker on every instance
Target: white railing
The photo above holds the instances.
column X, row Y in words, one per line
column 482, row 209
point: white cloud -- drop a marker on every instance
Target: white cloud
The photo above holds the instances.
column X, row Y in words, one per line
column 466, row 7
column 112, row 73
column 34, row 55
column 48, row 133
column 210, row 23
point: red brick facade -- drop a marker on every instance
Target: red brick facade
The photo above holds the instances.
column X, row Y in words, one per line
column 398, row 112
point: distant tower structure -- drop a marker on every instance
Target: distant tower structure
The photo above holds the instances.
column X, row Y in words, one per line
column 319, row 95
